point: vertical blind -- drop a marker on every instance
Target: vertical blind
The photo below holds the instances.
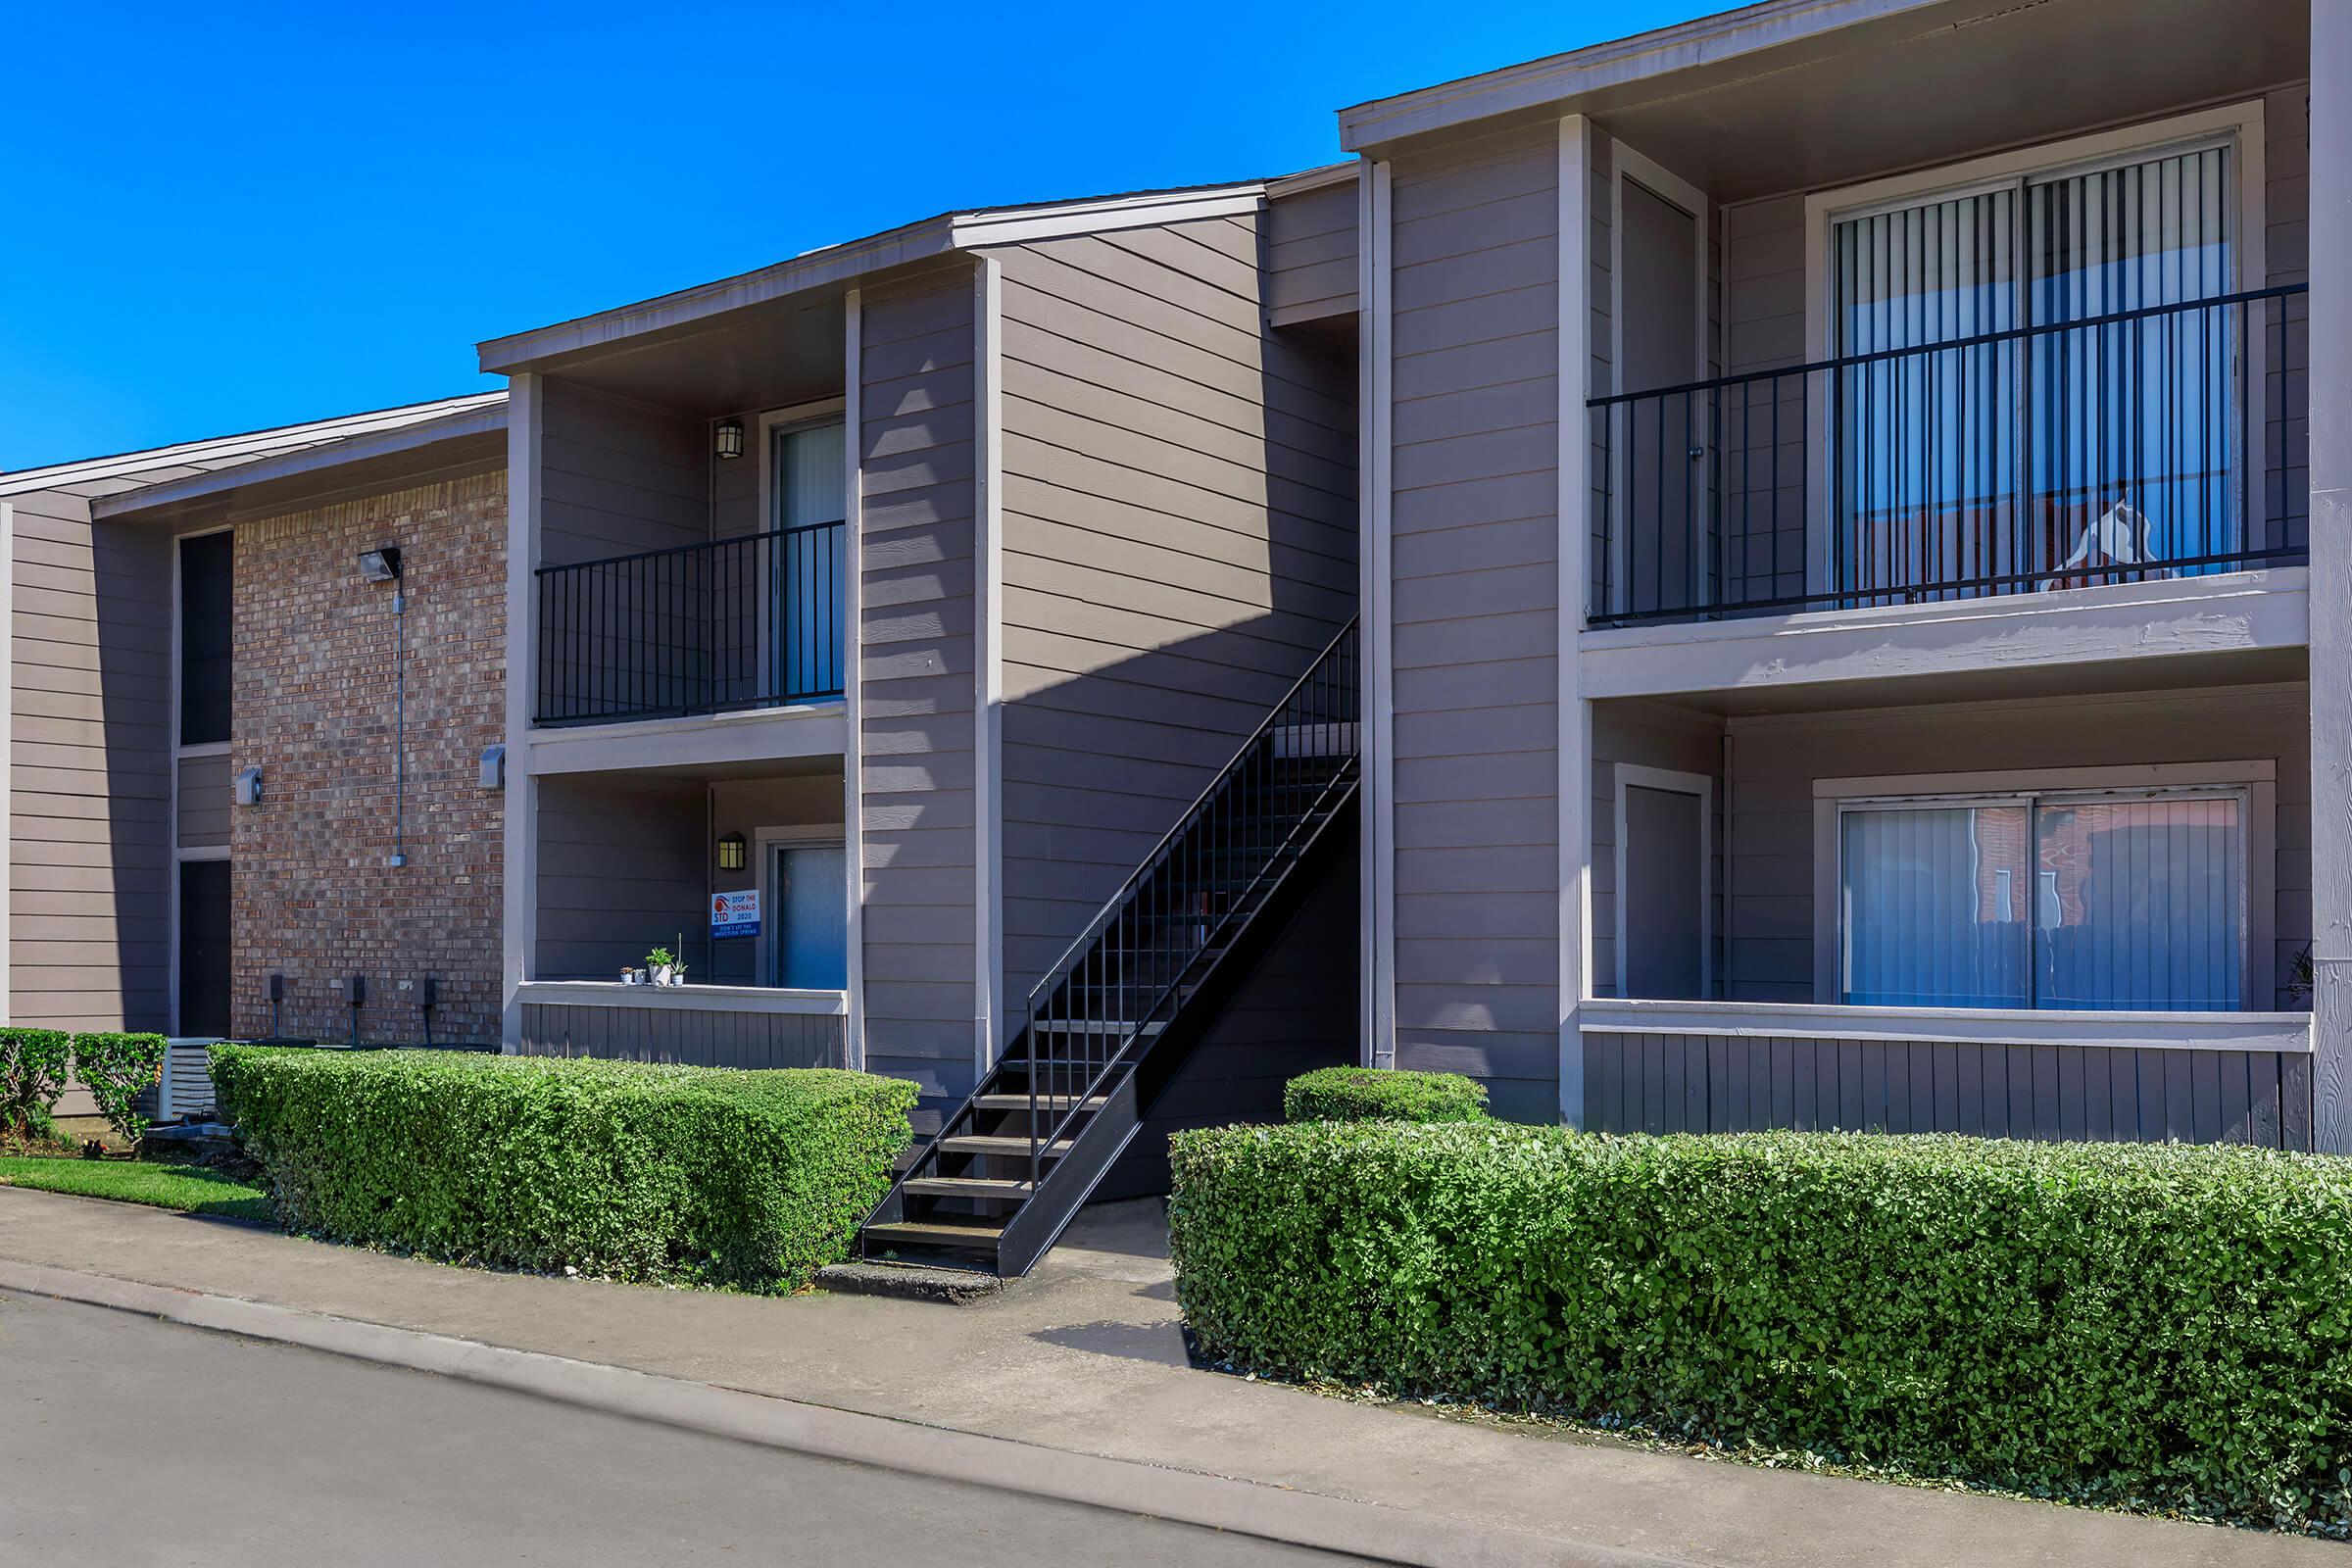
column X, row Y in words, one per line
column 810, row 483
column 2000, row 460
column 2095, row 904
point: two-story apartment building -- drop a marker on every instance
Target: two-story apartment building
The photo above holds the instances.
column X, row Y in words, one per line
column 1853, row 572
column 1841, row 503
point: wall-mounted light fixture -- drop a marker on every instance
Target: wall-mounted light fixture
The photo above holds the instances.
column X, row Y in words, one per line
column 729, row 440
column 734, row 852
column 248, row 788
column 381, row 565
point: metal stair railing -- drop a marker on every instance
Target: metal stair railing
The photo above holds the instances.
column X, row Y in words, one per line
column 1111, row 985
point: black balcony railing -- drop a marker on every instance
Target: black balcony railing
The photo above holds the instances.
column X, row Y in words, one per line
column 2129, row 447
column 702, row 628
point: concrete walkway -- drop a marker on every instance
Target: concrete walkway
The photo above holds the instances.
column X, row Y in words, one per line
column 1085, row 1357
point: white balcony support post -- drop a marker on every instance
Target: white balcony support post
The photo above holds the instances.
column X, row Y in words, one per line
column 1575, row 721
column 2330, row 427
column 1376, row 888
column 519, row 858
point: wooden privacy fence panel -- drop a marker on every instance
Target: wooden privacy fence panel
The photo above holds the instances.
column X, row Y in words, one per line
column 713, row 1039
column 1673, row 1083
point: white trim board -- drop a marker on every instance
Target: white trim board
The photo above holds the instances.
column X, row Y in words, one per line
column 519, row 847
column 1377, row 893
column 1630, row 775
column 1984, row 1026
column 988, row 675
column 1572, row 734
column 683, row 999
column 852, row 662
column 757, row 735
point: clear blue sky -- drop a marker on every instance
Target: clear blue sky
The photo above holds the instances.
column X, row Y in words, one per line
column 229, row 218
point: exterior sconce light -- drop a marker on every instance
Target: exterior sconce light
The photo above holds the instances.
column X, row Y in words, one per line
column 380, row 564
column 248, row 788
column 729, row 439
column 734, row 852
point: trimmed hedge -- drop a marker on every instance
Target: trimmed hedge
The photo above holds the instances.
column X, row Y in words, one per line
column 32, row 1074
column 2160, row 1327
column 1383, row 1094
column 623, row 1169
column 118, row 1068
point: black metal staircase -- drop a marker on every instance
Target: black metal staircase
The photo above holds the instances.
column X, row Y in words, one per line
column 1010, row 1167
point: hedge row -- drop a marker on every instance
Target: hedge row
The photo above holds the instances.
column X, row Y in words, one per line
column 630, row 1170
column 115, row 1069
column 1383, row 1094
column 2158, row 1327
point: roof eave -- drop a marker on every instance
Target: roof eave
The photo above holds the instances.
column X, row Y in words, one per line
column 408, row 449
column 1558, row 78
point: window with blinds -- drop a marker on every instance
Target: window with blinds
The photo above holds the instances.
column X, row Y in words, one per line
column 2093, row 902
column 2039, row 392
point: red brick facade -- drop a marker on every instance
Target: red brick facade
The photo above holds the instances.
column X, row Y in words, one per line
column 314, row 896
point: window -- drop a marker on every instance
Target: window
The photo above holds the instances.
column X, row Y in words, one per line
column 2137, row 902
column 206, row 639
column 809, row 492
column 2037, row 460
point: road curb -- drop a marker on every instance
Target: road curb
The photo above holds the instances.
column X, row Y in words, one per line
column 1367, row 1530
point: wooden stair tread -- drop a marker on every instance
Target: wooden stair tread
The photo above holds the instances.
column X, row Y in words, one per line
column 968, row 1187
column 936, row 1232
column 997, row 1144
column 1013, row 1102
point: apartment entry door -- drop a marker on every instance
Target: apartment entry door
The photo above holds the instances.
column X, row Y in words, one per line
column 809, row 925
column 1664, row 943
column 204, row 948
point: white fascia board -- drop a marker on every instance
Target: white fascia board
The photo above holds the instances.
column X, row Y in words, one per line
column 683, row 999
column 834, row 263
column 2228, row 613
column 1017, row 225
column 1983, row 1026
column 236, row 449
column 322, row 458
column 1558, row 78
column 760, row 735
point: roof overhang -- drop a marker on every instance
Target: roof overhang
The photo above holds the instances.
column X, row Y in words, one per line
column 838, row 267
column 1725, row 46
column 471, row 440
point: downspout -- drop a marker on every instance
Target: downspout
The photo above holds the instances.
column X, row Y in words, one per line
column 400, row 724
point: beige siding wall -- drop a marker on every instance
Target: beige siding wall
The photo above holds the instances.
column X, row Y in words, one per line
column 914, row 730
column 92, row 759
column 1179, row 543
column 621, row 869
column 1310, row 253
column 618, row 476
column 1648, row 735
column 1475, row 628
column 203, row 795
column 1774, row 762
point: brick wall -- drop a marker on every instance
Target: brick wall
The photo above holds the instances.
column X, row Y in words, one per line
column 314, row 897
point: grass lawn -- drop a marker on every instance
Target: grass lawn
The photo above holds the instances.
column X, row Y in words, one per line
column 189, row 1189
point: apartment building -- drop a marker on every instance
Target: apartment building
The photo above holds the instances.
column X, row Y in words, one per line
column 1841, row 551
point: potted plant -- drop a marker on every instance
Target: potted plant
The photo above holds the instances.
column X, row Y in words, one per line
column 666, row 969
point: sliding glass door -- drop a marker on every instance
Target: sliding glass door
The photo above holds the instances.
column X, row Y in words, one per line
column 2093, row 902
column 2032, row 396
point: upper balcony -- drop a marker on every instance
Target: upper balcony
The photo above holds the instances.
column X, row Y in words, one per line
column 717, row 627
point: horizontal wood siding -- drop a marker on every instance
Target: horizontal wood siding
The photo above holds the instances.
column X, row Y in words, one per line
column 914, row 730
column 617, row 477
column 1774, row 762
column 1475, row 626
column 1312, row 255
column 752, row 1040
column 1653, row 1083
column 204, row 796
column 621, row 871
column 1179, row 543
column 91, row 761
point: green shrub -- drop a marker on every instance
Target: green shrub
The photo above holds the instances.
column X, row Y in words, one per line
column 32, row 1074
column 624, row 1169
column 1380, row 1094
column 117, row 1070
column 2155, row 1327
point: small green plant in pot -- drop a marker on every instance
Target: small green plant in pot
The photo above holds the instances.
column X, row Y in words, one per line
column 663, row 967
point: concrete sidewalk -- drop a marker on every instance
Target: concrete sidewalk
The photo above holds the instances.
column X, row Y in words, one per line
column 1085, row 1357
